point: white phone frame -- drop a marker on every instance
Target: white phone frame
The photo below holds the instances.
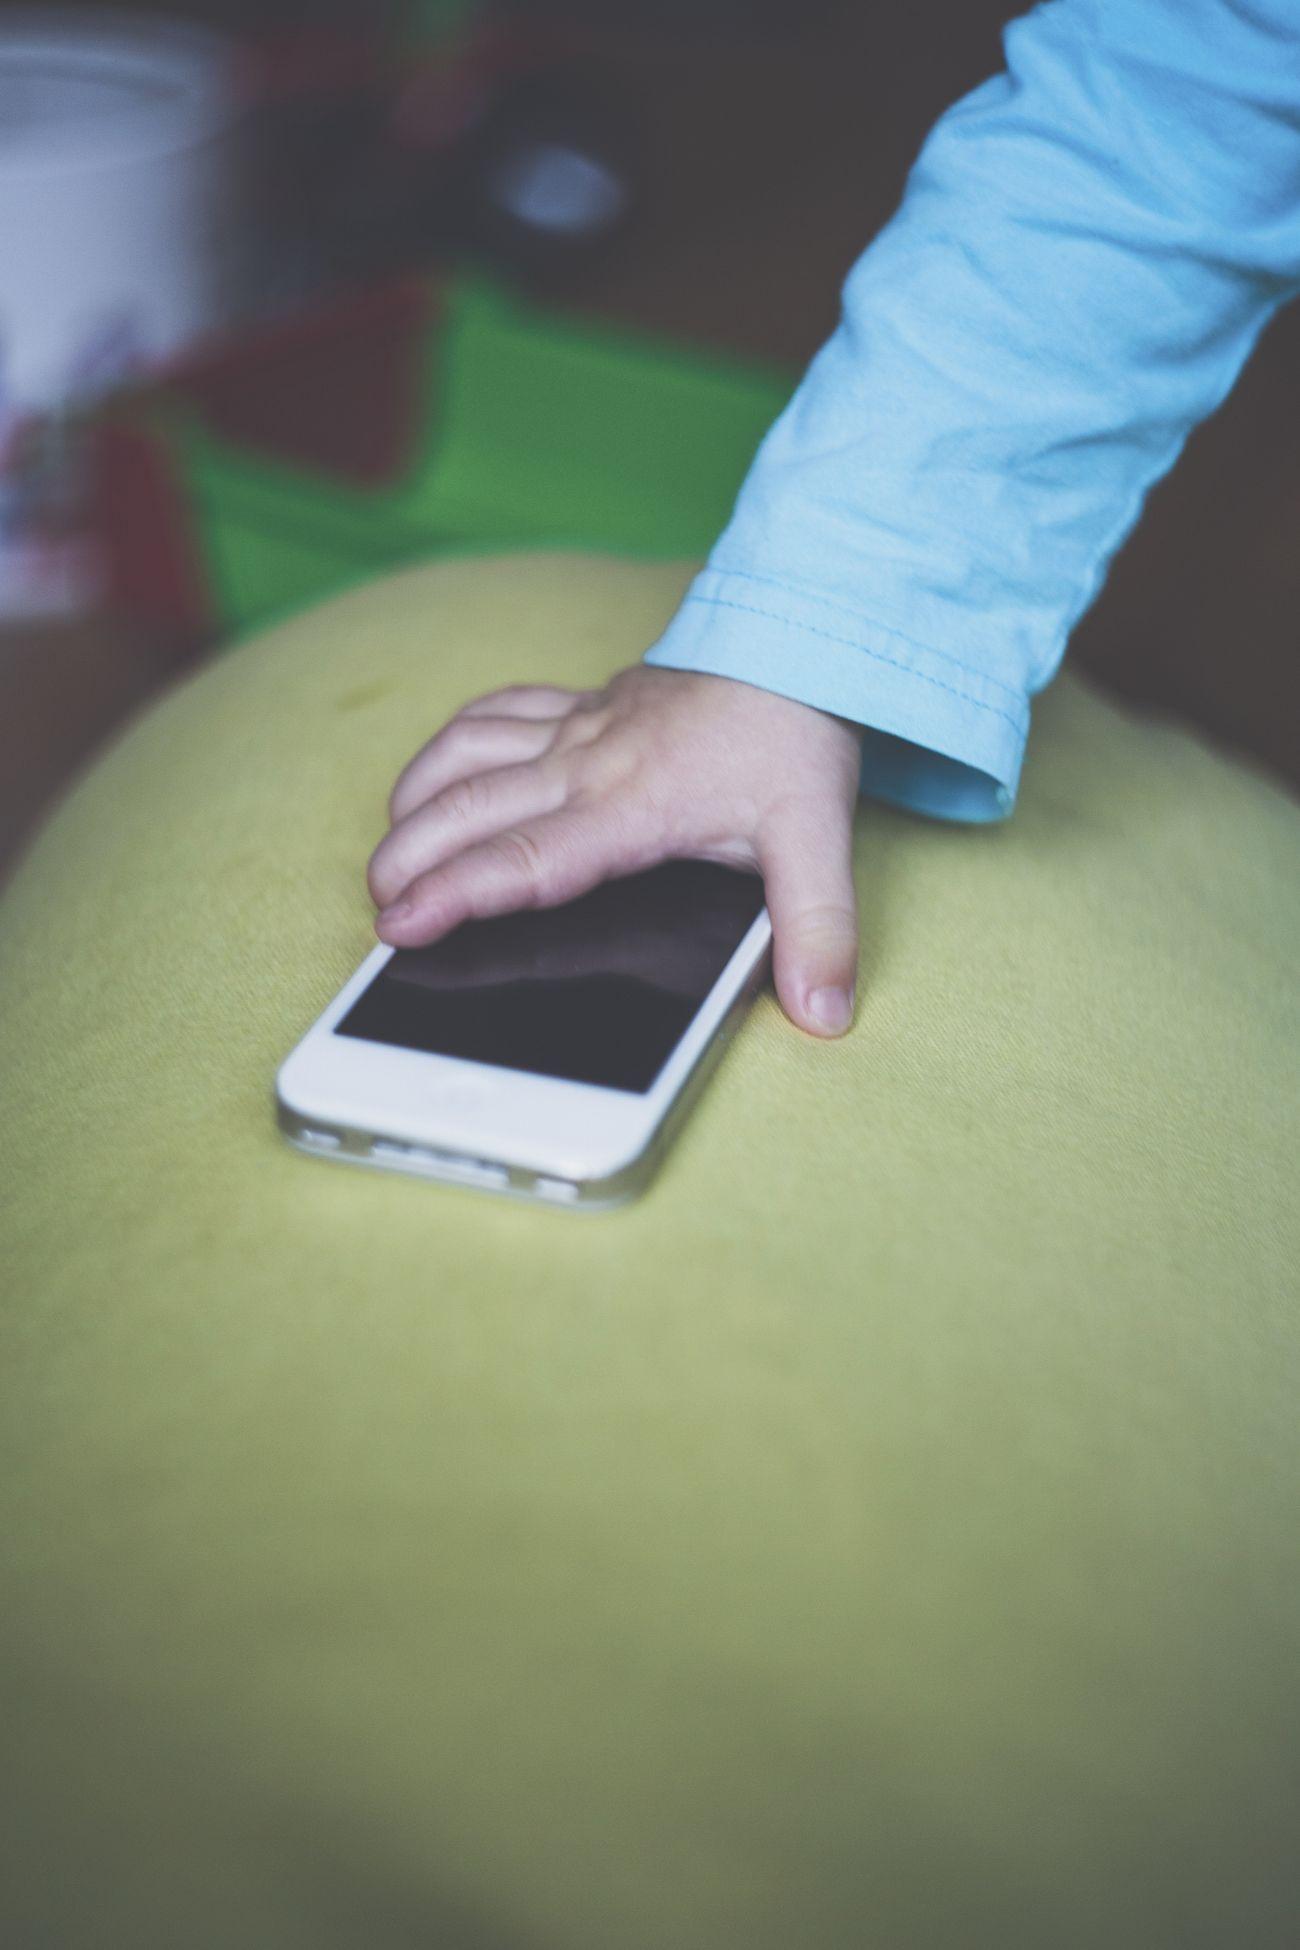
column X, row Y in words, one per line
column 578, row 1145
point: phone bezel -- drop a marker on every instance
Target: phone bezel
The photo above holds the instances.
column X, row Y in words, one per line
column 581, row 1134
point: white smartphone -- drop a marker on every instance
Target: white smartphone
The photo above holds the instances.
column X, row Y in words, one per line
column 548, row 1054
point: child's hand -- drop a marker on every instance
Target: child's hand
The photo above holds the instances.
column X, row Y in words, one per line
column 532, row 795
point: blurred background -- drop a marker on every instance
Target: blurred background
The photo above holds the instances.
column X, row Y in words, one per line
column 292, row 291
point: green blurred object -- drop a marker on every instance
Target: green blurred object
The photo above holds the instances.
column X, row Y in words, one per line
column 538, row 431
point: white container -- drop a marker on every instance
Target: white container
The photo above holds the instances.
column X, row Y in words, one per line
column 117, row 173
column 118, row 210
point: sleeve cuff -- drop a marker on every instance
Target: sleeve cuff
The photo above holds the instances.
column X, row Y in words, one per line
column 941, row 737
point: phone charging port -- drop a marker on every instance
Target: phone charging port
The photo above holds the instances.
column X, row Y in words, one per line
column 439, row 1164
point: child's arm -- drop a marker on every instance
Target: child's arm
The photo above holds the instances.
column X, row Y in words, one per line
column 1088, row 248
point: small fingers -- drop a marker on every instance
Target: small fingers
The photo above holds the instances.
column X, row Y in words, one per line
column 465, row 813
column 464, row 746
column 524, row 701
column 808, row 875
column 538, row 863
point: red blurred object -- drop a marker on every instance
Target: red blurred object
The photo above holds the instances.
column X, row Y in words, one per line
column 154, row 575
column 337, row 391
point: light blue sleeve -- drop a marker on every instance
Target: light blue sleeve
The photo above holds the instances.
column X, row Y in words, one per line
column 1087, row 250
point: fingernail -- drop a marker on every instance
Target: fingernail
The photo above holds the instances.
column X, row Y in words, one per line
column 397, row 912
column 832, row 1009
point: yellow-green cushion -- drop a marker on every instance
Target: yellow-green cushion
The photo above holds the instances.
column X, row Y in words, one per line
column 883, row 1535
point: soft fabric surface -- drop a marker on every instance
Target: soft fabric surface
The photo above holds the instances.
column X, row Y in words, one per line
column 884, row 1534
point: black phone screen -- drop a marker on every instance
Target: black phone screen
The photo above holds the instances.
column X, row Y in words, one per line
column 600, row 990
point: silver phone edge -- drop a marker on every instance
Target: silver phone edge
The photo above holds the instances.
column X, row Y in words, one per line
column 355, row 1146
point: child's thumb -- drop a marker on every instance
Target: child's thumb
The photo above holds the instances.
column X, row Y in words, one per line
column 807, row 866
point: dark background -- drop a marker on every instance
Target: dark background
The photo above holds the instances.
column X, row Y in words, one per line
column 775, row 141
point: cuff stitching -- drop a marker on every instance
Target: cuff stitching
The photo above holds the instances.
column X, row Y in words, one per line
column 863, row 649
column 859, row 616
